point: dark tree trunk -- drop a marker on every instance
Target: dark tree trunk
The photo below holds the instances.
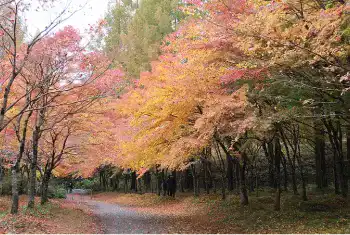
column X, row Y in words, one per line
column 303, row 180
column 229, row 172
column 188, row 179
column 125, row 183
column 341, row 162
column 163, row 174
column 182, row 181
column 116, row 183
column 133, row 186
column 268, row 150
column 33, row 164
column 290, row 160
column 238, row 178
column 45, row 186
column 159, row 182
column 174, row 173
column 147, row 181
column 243, row 191
column 277, row 205
column 285, row 171
column 223, row 187
column 335, row 138
column 335, row 174
column 195, row 181
column 320, row 156
column 256, row 180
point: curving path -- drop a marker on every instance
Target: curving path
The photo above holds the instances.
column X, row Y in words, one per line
column 121, row 220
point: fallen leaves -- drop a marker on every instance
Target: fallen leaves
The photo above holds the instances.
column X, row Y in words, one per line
column 58, row 216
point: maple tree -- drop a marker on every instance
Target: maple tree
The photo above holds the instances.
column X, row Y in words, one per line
column 196, row 94
column 238, row 85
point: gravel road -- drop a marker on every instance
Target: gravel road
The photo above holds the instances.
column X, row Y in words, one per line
column 122, row 220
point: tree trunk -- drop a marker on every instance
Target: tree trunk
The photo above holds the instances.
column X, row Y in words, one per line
column 335, row 174
column 303, row 180
column 34, row 160
column 15, row 196
column 256, row 181
column 277, row 154
column 229, row 172
column 243, row 191
column 133, row 186
column 285, row 171
column 223, row 187
column 45, row 186
column 339, row 145
column 238, row 178
column 320, row 157
column 194, row 176
column 268, row 150
column 147, row 181
column 159, row 182
column 182, row 181
column 271, row 165
column 125, row 183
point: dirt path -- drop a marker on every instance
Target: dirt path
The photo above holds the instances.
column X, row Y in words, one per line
column 121, row 220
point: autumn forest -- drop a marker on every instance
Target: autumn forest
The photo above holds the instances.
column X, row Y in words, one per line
column 239, row 108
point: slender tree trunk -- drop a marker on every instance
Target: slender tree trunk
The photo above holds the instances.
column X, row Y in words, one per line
column 35, row 139
column 270, row 148
column 335, row 174
column 277, row 154
column 238, row 177
column 159, row 182
column 320, row 156
column 182, row 181
column 285, row 171
column 1, row 176
column 243, row 191
column 229, row 173
column 256, row 180
column 15, row 169
column 339, row 145
column 294, row 182
column 194, row 175
column 301, row 167
column 15, row 196
column 223, row 187
column 133, row 186
column 206, row 181
column 125, row 183
column 333, row 138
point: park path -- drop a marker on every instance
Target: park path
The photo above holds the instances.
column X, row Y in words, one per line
column 122, row 220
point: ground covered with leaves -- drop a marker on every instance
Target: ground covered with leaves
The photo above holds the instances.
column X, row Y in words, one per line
column 322, row 213
column 57, row 216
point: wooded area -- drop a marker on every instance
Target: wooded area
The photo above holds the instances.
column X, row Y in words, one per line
column 221, row 96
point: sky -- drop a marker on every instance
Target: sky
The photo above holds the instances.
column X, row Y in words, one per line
column 92, row 10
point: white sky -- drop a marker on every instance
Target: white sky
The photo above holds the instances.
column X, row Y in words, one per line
column 37, row 18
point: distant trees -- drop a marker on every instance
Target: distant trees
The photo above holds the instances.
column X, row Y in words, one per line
column 135, row 32
column 47, row 84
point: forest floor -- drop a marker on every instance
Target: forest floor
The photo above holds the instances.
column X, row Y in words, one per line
column 148, row 213
column 322, row 213
column 57, row 216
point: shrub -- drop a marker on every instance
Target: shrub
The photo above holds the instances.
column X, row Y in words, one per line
column 88, row 184
column 57, row 191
